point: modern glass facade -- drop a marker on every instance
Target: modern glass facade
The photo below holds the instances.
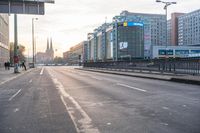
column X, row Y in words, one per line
column 108, row 42
column 4, row 39
column 154, row 29
column 136, row 31
column 130, row 41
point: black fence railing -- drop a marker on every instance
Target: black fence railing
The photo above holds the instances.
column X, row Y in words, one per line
column 169, row 65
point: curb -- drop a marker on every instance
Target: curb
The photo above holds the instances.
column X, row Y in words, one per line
column 172, row 79
column 16, row 76
column 123, row 74
column 186, row 81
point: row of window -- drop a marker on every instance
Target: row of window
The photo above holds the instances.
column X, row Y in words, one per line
column 177, row 52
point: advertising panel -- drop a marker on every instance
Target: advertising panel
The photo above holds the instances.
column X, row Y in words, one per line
column 123, row 45
column 43, row 1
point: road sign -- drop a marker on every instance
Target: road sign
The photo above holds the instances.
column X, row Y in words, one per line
column 44, row 1
column 23, row 6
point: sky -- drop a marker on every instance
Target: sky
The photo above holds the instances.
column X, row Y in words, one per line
column 69, row 21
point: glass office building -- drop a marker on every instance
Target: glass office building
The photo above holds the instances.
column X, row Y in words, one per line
column 154, row 28
column 130, row 40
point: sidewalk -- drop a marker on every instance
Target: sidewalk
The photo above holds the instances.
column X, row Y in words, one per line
column 166, row 77
column 5, row 75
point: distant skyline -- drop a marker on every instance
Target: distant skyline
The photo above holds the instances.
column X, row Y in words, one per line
column 69, row 21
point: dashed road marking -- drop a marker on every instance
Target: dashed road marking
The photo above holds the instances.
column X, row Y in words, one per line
column 11, row 98
column 165, row 108
column 31, row 81
column 96, row 78
column 108, row 123
column 135, row 88
column 16, row 110
column 85, row 124
column 41, row 73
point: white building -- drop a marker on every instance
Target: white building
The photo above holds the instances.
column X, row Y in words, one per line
column 189, row 28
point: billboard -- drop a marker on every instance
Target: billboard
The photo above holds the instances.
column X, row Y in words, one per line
column 123, row 45
column 130, row 24
column 43, row 1
column 35, row 7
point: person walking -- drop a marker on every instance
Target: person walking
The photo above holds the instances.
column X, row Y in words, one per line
column 8, row 65
column 24, row 66
column 5, row 65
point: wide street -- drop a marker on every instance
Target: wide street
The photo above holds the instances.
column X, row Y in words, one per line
column 66, row 100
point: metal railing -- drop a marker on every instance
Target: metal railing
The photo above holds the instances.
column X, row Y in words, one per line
column 169, row 65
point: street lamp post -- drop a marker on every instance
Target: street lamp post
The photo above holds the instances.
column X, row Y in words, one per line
column 33, row 40
column 16, row 56
column 165, row 8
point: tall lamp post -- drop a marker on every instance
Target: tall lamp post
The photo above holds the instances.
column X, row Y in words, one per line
column 16, row 56
column 33, row 40
column 165, row 8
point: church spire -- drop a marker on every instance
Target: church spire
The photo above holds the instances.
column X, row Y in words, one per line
column 47, row 44
column 51, row 45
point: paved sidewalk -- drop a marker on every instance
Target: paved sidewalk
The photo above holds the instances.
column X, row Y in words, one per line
column 8, row 74
column 167, row 77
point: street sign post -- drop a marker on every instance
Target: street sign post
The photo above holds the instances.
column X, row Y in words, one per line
column 35, row 7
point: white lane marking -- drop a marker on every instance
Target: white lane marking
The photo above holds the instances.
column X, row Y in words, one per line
column 42, row 71
column 184, row 105
column 165, row 124
column 135, row 88
column 13, row 78
column 109, row 124
column 96, row 78
column 165, row 108
column 11, row 98
column 9, row 80
column 86, row 122
column 31, row 81
column 16, row 110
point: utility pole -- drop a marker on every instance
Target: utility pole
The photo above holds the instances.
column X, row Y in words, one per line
column 165, row 8
column 16, row 57
column 33, row 40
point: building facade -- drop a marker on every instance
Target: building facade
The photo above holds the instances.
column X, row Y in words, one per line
column 76, row 54
column 106, row 42
column 4, row 39
column 130, row 40
column 154, row 28
column 116, row 41
column 172, row 29
column 189, row 29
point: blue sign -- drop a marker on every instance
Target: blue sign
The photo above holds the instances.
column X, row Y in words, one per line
column 135, row 24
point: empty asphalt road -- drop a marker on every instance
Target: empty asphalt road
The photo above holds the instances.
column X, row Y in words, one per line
column 66, row 100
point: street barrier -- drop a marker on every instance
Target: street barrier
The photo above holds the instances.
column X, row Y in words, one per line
column 169, row 65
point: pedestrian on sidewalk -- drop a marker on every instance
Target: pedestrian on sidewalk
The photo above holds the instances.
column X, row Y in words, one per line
column 23, row 64
column 8, row 65
column 5, row 65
